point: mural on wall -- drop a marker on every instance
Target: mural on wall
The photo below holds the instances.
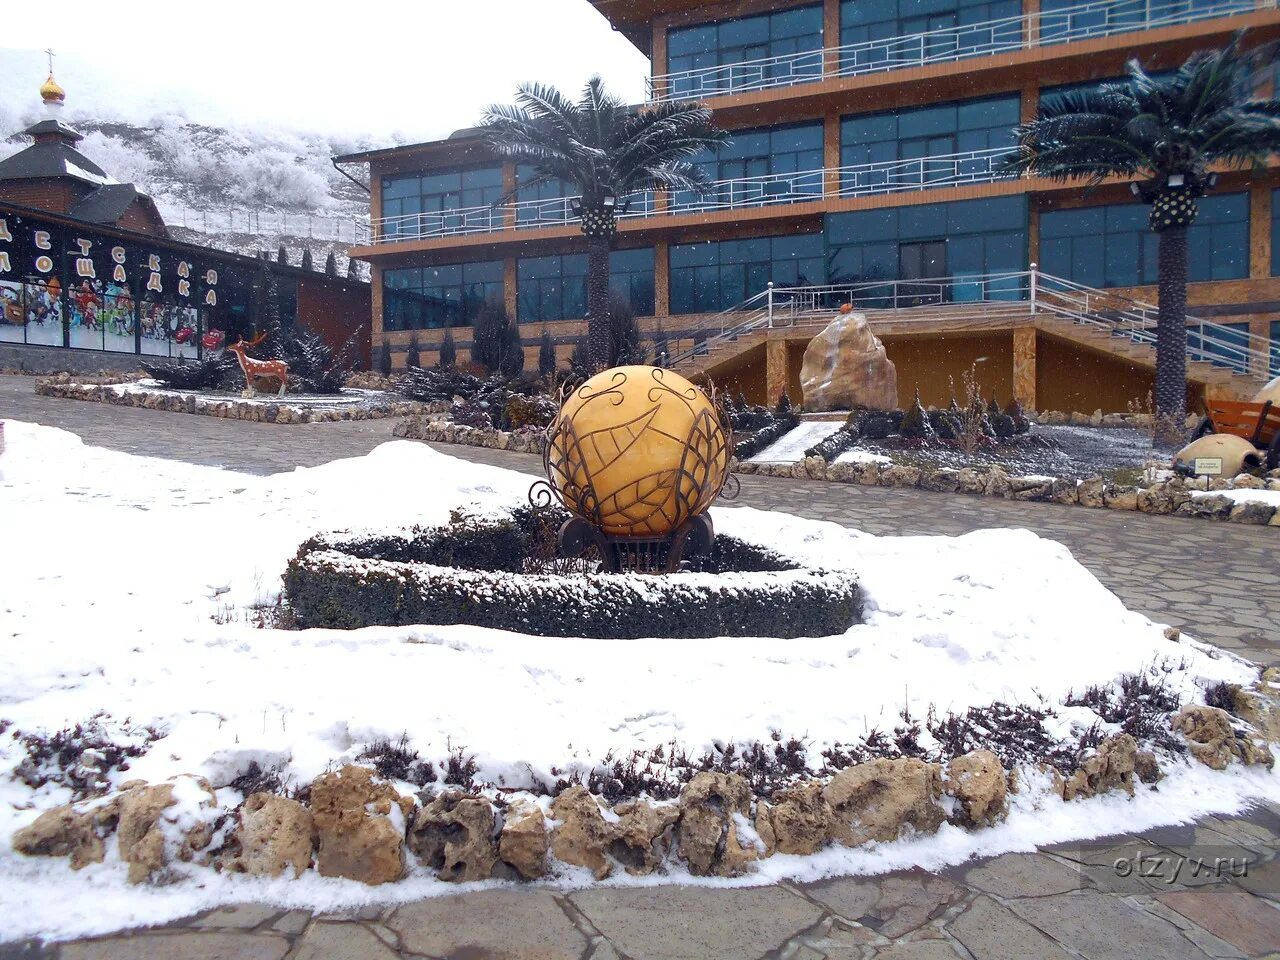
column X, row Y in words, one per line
column 66, row 287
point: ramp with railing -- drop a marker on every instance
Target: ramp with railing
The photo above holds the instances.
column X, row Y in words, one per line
column 1097, row 319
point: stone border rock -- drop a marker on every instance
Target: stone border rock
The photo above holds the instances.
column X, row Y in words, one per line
column 227, row 408
column 350, row 823
column 1175, row 496
column 434, row 430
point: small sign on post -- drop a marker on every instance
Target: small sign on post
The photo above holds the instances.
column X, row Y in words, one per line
column 1208, row 466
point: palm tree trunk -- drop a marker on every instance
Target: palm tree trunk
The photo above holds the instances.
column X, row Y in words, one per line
column 1171, row 337
column 598, row 302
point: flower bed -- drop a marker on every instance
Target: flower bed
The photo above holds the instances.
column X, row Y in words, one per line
column 351, row 404
column 994, row 695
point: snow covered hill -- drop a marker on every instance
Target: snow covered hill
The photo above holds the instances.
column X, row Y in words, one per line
column 243, row 190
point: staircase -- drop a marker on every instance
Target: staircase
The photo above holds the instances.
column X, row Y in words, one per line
column 1098, row 320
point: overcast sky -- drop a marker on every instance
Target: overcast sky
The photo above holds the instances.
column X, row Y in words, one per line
column 416, row 69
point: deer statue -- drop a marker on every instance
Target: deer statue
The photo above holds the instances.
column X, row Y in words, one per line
column 259, row 369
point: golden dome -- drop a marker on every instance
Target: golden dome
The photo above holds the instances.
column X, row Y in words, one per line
column 51, row 92
column 638, row 451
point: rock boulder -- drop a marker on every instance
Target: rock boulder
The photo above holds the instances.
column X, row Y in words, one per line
column 978, row 782
column 152, row 829
column 274, row 834
column 798, row 821
column 360, row 826
column 875, row 800
column 1209, row 735
column 69, row 832
column 524, row 843
column 1111, row 767
column 582, row 837
column 845, row 366
column 716, row 836
column 453, row 834
column 643, row 835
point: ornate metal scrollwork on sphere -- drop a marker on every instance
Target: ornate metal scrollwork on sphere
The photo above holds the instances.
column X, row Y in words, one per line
column 639, row 453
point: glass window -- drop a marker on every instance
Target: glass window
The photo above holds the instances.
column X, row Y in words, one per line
column 537, row 202
column 1275, row 348
column 930, row 242
column 1113, row 246
column 753, row 167
column 752, row 52
column 415, row 204
column 631, row 278
column 882, row 34
column 552, row 288
column 446, row 295
column 718, row 275
column 940, row 144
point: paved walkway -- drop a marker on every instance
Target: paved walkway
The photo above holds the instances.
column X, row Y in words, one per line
column 1207, row 891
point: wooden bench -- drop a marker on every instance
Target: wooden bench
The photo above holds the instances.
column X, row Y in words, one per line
column 1259, row 423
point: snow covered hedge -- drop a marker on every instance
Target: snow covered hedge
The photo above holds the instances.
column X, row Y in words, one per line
column 469, row 572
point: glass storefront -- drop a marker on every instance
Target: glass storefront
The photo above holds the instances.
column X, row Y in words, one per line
column 62, row 286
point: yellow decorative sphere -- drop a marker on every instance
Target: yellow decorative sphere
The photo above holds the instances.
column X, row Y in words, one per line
column 638, row 451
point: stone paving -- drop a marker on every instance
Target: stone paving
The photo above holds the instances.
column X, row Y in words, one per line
column 1209, row 890
column 1120, row 898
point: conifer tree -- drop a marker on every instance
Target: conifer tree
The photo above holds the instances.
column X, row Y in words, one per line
column 546, row 355
column 448, row 350
column 331, row 265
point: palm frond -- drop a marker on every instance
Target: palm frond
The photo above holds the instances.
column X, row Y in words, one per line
column 597, row 144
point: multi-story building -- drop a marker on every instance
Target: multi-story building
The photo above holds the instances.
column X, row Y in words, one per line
column 862, row 168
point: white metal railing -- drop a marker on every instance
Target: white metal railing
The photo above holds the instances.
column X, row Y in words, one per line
column 887, row 176
column 1120, row 316
column 958, row 42
column 1135, row 320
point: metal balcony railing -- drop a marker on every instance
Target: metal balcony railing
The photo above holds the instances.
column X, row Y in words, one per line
column 958, row 42
column 890, row 176
column 1042, row 293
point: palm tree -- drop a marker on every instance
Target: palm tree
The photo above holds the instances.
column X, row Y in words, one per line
column 605, row 151
column 1167, row 131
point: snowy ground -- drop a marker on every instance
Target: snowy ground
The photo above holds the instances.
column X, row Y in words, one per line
column 128, row 585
